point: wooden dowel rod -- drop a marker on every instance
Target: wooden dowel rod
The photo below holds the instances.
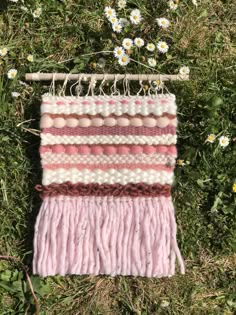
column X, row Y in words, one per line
column 108, row 77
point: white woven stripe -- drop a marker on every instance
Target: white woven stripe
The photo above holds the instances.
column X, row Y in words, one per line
column 107, row 109
column 166, row 139
column 63, row 158
column 111, row 176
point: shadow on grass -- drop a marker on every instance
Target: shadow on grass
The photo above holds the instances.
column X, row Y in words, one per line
column 35, row 173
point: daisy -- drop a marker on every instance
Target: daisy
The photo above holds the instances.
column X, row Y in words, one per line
column 172, row 5
column 163, row 22
column 113, row 19
column 124, row 22
column 158, row 84
column 15, row 94
column 139, row 42
column 121, row 4
column 152, row 62
column 119, row 51
column 36, row 13
column 30, row 58
column 150, row 47
column 211, row 138
column 127, row 43
column 224, row 141
column 124, row 60
column 3, row 52
column 180, row 162
column 109, row 12
column 135, row 16
column 162, row 47
column 11, row 73
column 184, row 71
column 117, row 27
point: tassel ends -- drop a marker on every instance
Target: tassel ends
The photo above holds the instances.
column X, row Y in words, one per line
column 106, row 235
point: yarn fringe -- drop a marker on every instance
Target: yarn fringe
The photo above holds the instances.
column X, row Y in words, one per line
column 106, row 235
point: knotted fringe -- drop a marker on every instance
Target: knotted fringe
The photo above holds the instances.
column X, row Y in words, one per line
column 106, row 235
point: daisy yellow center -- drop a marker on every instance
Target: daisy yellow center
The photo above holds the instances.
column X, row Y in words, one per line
column 117, row 27
column 158, row 82
column 135, row 17
column 123, row 59
column 127, row 43
column 163, row 46
column 109, row 12
column 223, row 141
column 234, row 187
column 119, row 52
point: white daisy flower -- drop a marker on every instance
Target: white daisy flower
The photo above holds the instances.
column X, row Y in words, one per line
column 139, row 42
column 3, row 52
column 119, row 51
column 117, row 27
column 158, row 84
column 30, row 58
column 172, row 5
column 150, row 47
column 124, row 60
column 25, row 9
column 162, row 47
column 163, row 22
column 127, row 43
column 224, row 141
column 36, row 13
column 15, row 94
column 113, row 19
column 184, row 71
column 11, row 73
column 124, row 22
column 211, row 138
column 121, row 4
column 135, row 16
column 152, row 62
column 109, row 12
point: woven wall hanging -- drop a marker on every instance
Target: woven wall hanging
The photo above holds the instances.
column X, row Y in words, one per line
column 108, row 166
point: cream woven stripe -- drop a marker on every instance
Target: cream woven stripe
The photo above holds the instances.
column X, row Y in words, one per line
column 62, row 158
column 107, row 109
column 166, row 139
column 111, row 176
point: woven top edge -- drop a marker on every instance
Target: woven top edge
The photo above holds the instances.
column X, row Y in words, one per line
column 89, row 97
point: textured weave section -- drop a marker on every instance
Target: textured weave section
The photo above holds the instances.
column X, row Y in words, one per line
column 108, row 166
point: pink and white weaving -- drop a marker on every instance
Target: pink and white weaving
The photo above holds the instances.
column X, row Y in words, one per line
column 108, row 166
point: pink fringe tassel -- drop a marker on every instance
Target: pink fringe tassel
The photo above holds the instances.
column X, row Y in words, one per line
column 106, row 235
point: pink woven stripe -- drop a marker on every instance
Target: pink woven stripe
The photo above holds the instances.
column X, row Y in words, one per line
column 108, row 149
column 62, row 158
column 104, row 167
column 104, row 130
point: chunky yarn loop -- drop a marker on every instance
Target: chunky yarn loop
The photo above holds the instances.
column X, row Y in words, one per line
column 108, row 166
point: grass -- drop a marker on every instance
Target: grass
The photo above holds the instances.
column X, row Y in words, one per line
column 202, row 38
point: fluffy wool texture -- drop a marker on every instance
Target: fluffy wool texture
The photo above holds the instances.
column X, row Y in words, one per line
column 108, row 166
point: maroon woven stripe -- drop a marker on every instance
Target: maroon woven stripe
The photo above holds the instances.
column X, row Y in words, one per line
column 93, row 189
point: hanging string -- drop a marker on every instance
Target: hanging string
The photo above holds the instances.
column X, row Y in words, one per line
column 63, row 89
column 101, row 86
